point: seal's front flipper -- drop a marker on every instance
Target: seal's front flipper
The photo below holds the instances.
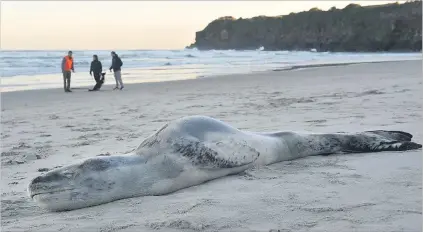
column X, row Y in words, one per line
column 221, row 154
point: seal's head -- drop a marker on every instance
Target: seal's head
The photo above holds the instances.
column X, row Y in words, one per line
column 89, row 182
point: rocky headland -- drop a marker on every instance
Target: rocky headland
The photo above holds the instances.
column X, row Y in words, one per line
column 390, row 27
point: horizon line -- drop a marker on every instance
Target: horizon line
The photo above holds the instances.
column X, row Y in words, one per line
column 73, row 50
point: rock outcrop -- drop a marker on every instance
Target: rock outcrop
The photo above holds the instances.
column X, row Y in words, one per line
column 390, row 27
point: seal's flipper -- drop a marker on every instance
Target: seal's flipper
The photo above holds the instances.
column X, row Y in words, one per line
column 222, row 154
column 395, row 135
column 376, row 141
column 398, row 146
column 369, row 141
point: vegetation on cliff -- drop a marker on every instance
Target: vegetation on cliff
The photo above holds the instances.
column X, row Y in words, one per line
column 390, row 27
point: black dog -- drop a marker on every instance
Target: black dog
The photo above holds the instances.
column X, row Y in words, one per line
column 99, row 83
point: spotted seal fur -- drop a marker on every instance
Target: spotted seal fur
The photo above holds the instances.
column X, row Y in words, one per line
column 190, row 151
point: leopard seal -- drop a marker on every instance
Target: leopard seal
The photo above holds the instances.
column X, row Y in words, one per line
column 190, row 151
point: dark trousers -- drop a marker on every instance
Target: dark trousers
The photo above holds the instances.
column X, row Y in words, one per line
column 97, row 81
column 66, row 80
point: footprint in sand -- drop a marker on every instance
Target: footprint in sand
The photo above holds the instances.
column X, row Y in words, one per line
column 53, row 117
column 9, row 153
column 129, row 111
column 317, row 121
column 207, row 202
column 68, row 126
column 21, row 145
column 370, row 92
column 5, row 136
column 85, row 129
column 178, row 224
column 45, row 135
column 83, row 143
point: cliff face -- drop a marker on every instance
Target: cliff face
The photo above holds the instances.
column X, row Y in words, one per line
column 391, row 27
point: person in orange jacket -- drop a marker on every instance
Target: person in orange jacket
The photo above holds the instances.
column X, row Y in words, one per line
column 67, row 67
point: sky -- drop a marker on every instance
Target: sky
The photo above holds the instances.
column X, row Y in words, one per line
column 118, row 25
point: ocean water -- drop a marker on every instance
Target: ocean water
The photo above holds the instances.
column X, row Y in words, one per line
column 22, row 70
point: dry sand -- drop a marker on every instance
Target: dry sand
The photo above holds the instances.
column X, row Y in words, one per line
column 357, row 192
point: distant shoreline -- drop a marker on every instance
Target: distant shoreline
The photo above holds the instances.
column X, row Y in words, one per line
column 296, row 67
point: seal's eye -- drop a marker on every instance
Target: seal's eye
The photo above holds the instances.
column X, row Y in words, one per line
column 68, row 175
column 95, row 164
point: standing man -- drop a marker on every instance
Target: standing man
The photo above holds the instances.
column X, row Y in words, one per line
column 116, row 65
column 96, row 68
column 67, row 66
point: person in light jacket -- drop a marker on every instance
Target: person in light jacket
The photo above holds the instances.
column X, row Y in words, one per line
column 116, row 66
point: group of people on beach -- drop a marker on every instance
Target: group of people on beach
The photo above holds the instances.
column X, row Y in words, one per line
column 96, row 69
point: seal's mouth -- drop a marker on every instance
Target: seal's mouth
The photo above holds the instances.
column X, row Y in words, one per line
column 32, row 195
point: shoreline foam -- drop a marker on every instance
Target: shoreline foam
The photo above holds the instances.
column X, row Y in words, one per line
column 150, row 66
column 130, row 73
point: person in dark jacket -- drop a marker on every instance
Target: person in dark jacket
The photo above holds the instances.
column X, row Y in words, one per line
column 116, row 65
column 96, row 69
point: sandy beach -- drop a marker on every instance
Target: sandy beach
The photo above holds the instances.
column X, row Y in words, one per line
column 43, row 129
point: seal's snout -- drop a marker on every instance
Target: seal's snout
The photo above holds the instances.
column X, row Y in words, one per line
column 44, row 182
column 49, row 177
column 34, row 185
